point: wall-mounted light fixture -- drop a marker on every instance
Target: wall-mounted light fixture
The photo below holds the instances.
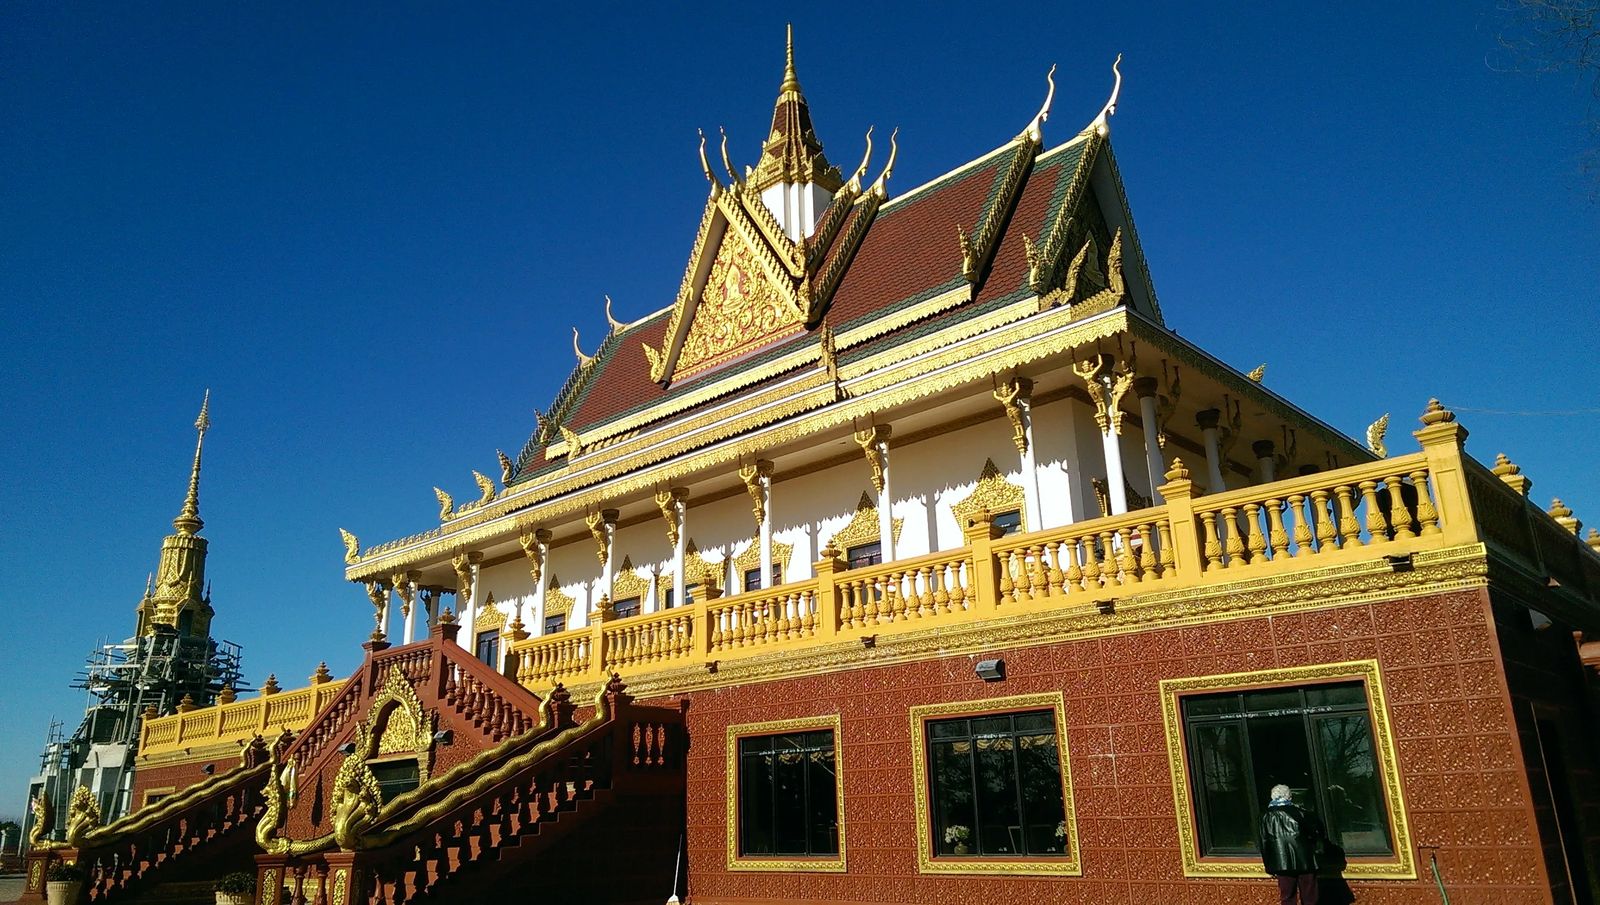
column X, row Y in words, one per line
column 991, row 670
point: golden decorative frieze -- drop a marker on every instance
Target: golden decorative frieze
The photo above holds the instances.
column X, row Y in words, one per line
column 352, row 547
column 993, row 493
column 1013, row 396
column 757, row 477
column 874, row 442
column 951, row 364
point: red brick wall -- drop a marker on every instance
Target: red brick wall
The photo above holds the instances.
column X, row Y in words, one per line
column 179, row 776
column 1461, row 770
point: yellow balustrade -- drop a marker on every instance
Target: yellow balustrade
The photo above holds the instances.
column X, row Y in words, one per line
column 1389, row 507
column 236, row 722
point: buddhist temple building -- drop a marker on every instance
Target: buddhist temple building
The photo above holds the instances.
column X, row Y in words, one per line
column 908, row 555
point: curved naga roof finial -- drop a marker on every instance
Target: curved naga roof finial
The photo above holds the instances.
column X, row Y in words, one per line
column 1034, row 131
column 616, row 325
column 726, row 163
column 855, row 178
column 705, row 165
column 888, row 169
column 583, row 360
column 1101, row 124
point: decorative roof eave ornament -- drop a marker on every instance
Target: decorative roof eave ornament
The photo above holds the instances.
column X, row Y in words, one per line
column 1102, row 121
column 352, row 548
column 979, row 246
column 1375, row 434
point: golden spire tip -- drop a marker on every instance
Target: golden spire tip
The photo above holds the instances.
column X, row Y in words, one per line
column 791, row 82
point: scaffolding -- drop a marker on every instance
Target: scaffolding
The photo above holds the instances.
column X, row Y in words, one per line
column 124, row 681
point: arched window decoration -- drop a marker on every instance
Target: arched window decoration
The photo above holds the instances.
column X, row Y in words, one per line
column 996, row 494
column 747, row 565
column 628, row 590
column 857, row 539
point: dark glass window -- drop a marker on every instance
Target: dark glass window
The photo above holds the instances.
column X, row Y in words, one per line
column 488, row 647
column 1316, row 739
column 626, row 608
column 1008, row 522
column 752, row 578
column 995, row 786
column 688, row 593
column 864, row 555
column 788, row 798
column 554, row 624
column 395, row 777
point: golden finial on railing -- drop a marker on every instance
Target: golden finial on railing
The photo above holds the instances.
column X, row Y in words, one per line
column 1563, row 515
column 227, row 696
column 187, row 704
column 270, row 687
column 322, row 675
column 1593, row 540
column 1436, row 414
column 1178, row 471
column 1511, row 473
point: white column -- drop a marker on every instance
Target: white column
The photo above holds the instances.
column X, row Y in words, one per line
column 885, row 502
column 653, row 593
column 541, row 583
column 1076, row 500
column 680, row 549
column 1207, row 422
column 1030, row 470
column 469, row 619
column 410, row 611
column 1116, row 483
column 1145, row 388
column 1268, row 462
column 408, row 596
column 388, row 615
column 764, row 486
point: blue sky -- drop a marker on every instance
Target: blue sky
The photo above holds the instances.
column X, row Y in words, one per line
column 368, row 229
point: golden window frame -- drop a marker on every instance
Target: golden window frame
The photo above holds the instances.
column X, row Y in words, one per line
column 863, row 527
column 1071, row 865
column 1400, row 866
column 750, row 558
column 737, row 862
column 994, row 493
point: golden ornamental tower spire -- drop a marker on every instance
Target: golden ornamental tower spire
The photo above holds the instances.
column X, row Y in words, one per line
column 179, row 598
column 188, row 520
column 792, row 155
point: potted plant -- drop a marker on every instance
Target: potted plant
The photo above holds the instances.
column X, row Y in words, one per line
column 63, row 883
column 236, row 888
column 956, row 836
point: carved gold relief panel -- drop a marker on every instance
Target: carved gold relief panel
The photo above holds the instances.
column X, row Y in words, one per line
column 739, row 310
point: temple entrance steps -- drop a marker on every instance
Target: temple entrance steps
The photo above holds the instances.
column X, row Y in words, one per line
column 546, row 808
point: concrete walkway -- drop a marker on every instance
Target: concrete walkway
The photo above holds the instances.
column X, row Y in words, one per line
column 11, row 888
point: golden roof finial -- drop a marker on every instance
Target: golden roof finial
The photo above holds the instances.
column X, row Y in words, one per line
column 1102, row 122
column 791, row 82
column 1035, row 128
column 188, row 520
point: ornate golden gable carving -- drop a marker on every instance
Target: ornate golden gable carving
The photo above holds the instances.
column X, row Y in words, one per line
column 489, row 616
column 863, row 527
column 556, row 601
column 739, row 309
column 628, row 583
column 751, row 557
column 994, row 493
column 397, row 723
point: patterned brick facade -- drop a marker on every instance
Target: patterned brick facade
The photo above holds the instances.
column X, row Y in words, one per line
column 1462, row 770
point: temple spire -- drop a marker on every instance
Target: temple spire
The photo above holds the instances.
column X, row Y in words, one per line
column 188, row 520
column 792, row 154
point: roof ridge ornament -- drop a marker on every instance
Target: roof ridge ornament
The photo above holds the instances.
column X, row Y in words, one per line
column 1101, row 123
column 1034, row 130
column 791, row 81
column 583, row 360
column 616, row 325
column 727, row 163
column 855, row 178
column 705, row 165
column 878, row 185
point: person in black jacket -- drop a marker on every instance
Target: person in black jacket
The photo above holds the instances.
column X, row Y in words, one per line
column 1290, row 840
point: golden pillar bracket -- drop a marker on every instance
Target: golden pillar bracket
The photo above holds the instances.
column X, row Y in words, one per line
column 405, row 584
column 1012, row 396
column 600, row 523
column 753, row 475
column 872, row 442
column 1108, row 382
column 462, row 563
column 533, row 546
column 667, row 501
column 379, row 595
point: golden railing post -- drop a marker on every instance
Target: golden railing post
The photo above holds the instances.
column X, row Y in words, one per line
column 827, row 568
column 597, row 641
column 704, row 629
column 981, row 533
column 1442, row 440
column 1179, row 494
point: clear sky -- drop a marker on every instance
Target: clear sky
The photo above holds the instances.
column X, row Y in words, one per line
column 368, row 229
